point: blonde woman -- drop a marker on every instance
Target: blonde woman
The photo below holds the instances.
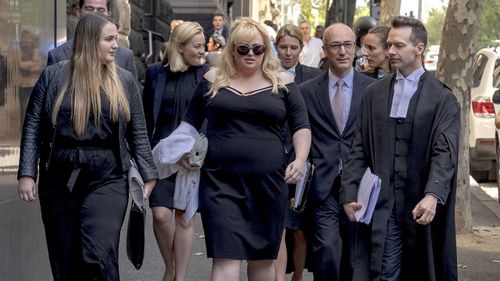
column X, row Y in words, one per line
column 243, row 188
column 83, row 124
column 169, row 86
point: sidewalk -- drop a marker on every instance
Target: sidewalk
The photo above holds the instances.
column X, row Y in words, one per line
column 479, row 251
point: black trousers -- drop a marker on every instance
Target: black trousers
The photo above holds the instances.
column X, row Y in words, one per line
column 333, row 239
column 82, row 227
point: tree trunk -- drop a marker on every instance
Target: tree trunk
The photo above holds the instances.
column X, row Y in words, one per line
column 389, row 9
column 459, row 35
column 341, row 11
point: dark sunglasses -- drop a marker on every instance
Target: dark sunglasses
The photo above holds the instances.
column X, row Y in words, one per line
column 244, row 49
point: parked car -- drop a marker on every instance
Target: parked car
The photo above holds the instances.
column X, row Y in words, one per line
column 483, row 137
column 431, row 60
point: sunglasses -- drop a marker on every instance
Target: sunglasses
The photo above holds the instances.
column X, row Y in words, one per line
column 244, row 49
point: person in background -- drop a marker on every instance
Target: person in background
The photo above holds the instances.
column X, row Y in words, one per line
column 216, row 44
column 83, row 124
column 333, row 100
column 409, row 137
column 311, row 52
column 217, row 27
column 168, row 88
column 318, row 32
column 29, row 69
column 243, row 187
column 174, row 23
column 361, row 28
column 289, row 45
column 376, row 52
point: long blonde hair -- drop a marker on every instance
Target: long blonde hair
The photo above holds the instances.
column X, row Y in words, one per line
column 182, row 35
column 244, row 29
column 88, row 75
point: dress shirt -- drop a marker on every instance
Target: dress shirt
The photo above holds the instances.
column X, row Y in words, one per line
column 347, row 87
column 404, row 89
column 290, row 71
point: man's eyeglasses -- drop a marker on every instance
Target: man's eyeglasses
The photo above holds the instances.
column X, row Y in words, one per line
column 348, row 46
column 99, row 10
column 244, row 49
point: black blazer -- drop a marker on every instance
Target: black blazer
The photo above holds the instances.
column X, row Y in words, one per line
column 304, row 73
column 328, row 146
column 124, row 57
column 156, row 78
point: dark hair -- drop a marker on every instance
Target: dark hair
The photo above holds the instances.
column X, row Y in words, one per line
column 361, row 27
column 108, row 4
column 418, row 31
column 218, row 14
column 382, row 33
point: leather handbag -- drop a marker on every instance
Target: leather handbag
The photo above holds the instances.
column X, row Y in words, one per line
column 136, row 219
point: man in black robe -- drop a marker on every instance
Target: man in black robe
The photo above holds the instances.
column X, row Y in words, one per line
column 409, row 129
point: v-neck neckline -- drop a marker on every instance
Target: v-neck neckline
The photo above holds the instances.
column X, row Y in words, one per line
column 247, row 94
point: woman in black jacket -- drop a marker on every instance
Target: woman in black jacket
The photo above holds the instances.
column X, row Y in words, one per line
column 168, row 89
column 83, row 124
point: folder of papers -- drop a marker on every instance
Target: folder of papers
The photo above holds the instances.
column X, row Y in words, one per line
column 302, row 188
column 368, row 192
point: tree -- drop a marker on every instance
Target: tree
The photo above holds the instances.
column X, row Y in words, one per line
column 434, row 26
column 341, row 11
column 362, row 11
column 457, row 44
column 389, row 9
column 490, row 21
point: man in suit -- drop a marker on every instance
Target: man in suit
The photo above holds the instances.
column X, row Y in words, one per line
column 409, row 132
column 332, row 100
column 124, row 57
column 217, row 27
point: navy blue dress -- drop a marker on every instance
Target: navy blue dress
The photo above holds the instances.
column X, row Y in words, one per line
column 243, row 196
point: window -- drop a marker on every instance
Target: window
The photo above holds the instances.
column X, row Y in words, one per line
column 478, row 69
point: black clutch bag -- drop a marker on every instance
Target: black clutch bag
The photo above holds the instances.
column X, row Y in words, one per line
column 136, row 219
column 302, row 188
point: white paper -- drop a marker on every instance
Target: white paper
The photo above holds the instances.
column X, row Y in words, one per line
column 368, row 192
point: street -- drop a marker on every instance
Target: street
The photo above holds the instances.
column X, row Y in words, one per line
column 478, row 252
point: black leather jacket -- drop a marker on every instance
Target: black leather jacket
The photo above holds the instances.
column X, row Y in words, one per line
column 38, row 131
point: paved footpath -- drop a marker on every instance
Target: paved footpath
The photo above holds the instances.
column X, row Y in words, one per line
column 478, row 252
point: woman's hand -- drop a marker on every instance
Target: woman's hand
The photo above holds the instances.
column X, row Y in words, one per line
column 184, row 162
column 295, row 171
column 27, row 189
column 148, row 187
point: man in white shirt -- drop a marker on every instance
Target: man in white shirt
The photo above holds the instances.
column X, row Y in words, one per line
column 312, row 51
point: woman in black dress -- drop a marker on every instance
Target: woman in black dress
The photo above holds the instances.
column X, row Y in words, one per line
column 243, row 188
column 289, row 43
column 169, row 86
column 83, row 124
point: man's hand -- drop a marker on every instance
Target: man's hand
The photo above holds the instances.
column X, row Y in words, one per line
column 148, row 187
column 27, row 189
column 425, row 210
column 350, row 210
column 184, row 162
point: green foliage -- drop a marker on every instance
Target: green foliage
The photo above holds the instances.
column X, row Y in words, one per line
column 490, row 21
column 434, row 26
column 362, row 11
column 306, row 11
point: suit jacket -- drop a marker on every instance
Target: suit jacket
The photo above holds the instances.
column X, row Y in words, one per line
column 328, row 146
column 304, row 73
column 225, row 33
column 429, row 251
column 156, row 78
column 124, row 57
